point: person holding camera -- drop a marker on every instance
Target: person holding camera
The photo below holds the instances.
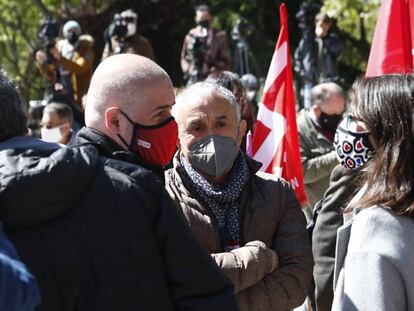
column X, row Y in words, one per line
column 205, row 49
column 316, row 57
column 70, row 69
column 122, row 37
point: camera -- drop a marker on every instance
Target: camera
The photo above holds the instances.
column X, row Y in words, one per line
column 197, row 51
column 48, row 33
column 241, row 29
column 119, row 30
column 119, row 27
column 49, row 30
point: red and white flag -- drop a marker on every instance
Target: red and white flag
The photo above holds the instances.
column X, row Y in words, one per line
column 392, row 49
column 275, row 140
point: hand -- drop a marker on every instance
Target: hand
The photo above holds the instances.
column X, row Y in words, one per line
column 55, row 53
column 275, row 259
column 40, row 57
column 59, row 87
column 321, row 32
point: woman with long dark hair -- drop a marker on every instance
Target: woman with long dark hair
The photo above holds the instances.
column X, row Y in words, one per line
column 375, row 250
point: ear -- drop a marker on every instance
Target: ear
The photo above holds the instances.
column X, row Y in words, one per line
column 242, row 131
column 316, row 110
column 112, row 119
column 65, row 128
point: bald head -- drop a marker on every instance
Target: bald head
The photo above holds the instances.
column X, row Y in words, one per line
column 321, row 93
column 125, row 90
column 126, row 81
column 327, row 101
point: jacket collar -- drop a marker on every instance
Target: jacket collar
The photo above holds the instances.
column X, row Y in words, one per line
column 181, row 188
column 110, row 149
column 312, row 128
column 175, row 176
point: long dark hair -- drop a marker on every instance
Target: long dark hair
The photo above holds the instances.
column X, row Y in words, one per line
column 386, row 105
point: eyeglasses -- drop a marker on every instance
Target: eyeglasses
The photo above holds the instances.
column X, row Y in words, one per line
column 354, row 118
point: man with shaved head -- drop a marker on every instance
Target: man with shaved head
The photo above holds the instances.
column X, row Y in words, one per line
column 161, row 265
column 128, row 112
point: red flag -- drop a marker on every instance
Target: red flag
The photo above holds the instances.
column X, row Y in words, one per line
column 275, row 140
column 392, row 46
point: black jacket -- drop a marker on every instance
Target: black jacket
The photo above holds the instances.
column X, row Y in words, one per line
column 306, row 58
column 97, row 239
column 342, row 186
column 110, row 149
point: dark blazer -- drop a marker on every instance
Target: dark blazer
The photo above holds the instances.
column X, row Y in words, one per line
column 340, row 191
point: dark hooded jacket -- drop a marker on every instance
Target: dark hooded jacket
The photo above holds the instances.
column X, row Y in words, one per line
column 98, row 239
column 110, row 149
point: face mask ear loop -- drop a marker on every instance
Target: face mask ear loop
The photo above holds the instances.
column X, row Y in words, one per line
column 126, row 116
column 133, row 129
column 124, row 142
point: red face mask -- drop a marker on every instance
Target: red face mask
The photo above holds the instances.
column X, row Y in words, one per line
column 155, row 144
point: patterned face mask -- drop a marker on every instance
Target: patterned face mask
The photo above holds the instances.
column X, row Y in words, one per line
column 353, row 148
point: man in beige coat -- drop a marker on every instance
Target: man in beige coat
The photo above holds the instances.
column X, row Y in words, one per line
column 250, row 222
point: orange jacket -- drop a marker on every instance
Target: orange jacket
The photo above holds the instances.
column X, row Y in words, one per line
column 80, row 67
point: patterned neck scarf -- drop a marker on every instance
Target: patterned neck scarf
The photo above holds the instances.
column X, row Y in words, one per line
column 224, row 200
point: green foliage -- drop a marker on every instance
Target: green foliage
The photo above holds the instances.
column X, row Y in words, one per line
column 19, row 23
column 356, row 22
column 165, row 24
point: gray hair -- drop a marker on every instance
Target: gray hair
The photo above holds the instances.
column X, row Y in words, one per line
column 208, row 89
column 321, row 93
column 64, row 111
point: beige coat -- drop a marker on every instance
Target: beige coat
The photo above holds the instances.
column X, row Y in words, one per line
column 270, row 218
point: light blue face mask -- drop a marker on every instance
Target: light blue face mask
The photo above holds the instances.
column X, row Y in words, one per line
column 213, row 155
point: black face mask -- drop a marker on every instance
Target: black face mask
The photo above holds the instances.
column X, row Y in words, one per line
column 329, row 122
column 73, row 38
column 205, row 23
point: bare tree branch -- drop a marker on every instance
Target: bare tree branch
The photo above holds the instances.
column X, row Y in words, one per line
column 23, row 33
column 42, row 7
column 17, row 28
column 6, row 34
column 15, row 55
